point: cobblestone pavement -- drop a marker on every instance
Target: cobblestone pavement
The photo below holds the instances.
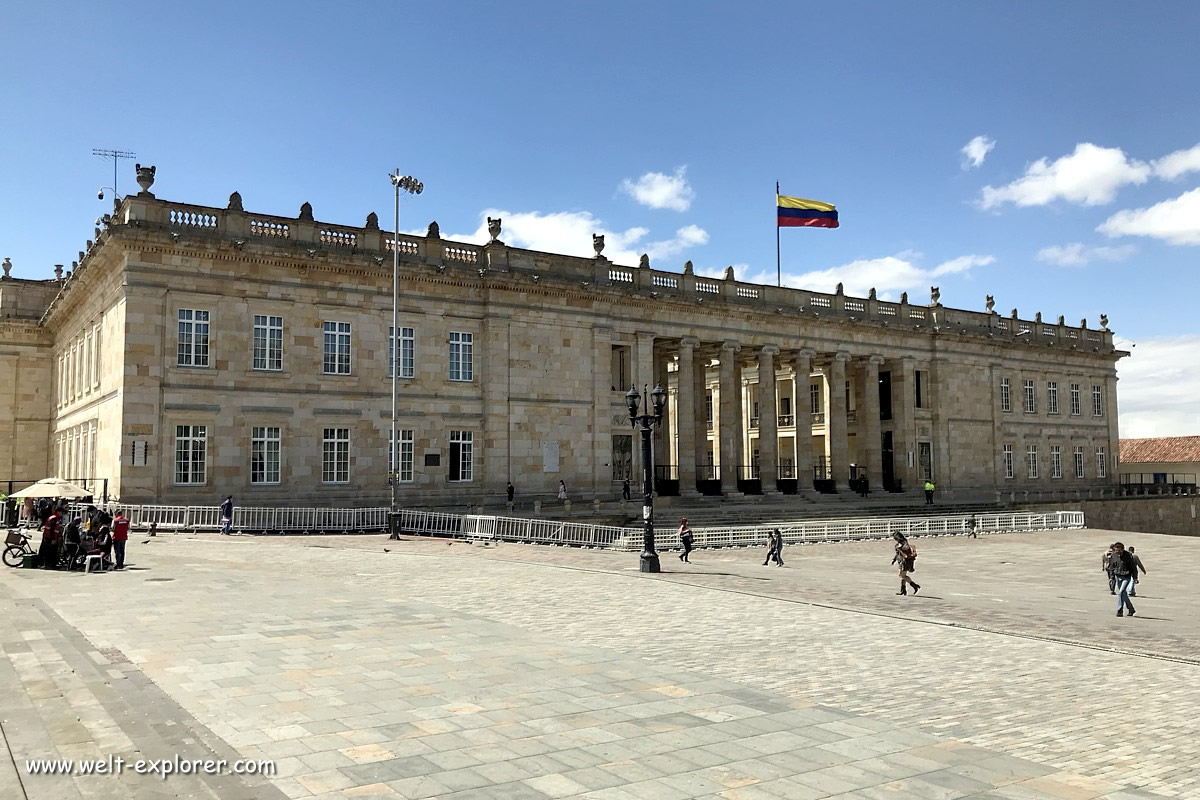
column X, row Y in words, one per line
column 438, row 670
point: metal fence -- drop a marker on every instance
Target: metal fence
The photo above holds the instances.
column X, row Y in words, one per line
column 578, row 534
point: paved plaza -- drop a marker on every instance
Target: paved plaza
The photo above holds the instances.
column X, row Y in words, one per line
column 422, row 668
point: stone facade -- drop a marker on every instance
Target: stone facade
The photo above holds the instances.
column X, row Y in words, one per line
column 196, row 352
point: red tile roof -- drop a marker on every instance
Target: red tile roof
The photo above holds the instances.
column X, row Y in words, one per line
column 1164, row 449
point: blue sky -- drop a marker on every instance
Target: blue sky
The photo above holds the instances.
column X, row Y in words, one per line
column 664, row 125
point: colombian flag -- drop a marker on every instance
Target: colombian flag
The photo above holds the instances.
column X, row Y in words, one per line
column 796, row 212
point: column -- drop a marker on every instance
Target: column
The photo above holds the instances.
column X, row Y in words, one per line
column 768, row 419
column 685, row 416
column 643, row 380
column 661, row 436
column 906, row 426
column 802, row 367
column 602, row 413
column 700, row 420
column 730, row 418
column 835, row 422
column 868, row 423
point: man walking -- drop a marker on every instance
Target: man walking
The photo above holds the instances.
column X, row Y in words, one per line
column 1137, row 564
column 929, row 487
column 120, row 535
column 1106, row 566
column 1122, row 564
column 973, row 527
column 227, row 515
column 511, row 491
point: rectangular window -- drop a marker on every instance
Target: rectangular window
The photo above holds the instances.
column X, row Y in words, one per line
column 264, row 455
column 1030, row 398
column 1074, row 399
column 1078, row 462
column 193, row 338
column 1101, row 463
column 1052, row 397
column 460, row 356
column 1031, row 457
column 814, row 397
column 460, row 455
column 268, row 342
column 337, row 348
column 402, row 360
column 708, row 409
column 335, row 455
column 1097, row 402
column 1008, row 460
column 1055, row 461
column 920, row 386
column 622, row 463
column 785, row 406
column 191, row 450
column 1005, row 395
column 402, row 469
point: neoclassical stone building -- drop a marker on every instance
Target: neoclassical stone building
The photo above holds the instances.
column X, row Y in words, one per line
column 195, row 351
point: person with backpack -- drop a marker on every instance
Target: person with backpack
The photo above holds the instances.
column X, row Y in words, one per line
column 686, row 539
column 1123, row 568
column 906, row 558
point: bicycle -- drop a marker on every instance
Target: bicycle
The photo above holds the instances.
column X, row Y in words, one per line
column 17, row 547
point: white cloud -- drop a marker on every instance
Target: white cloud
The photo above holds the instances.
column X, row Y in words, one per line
column 570, row 233
column 1077, row 254
column 1090, row 176
column 1179, row 163
column 1158, row 388
column 1175, row 221
column 656, row 190
column 976, row 150
column 889, row 275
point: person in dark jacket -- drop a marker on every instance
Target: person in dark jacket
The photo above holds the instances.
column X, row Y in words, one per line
column 226, row 515
column 1137, row 564
column 1123, row 567
column 685, row 538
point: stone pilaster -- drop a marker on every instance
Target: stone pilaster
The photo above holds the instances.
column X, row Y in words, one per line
column 685, row 414
column 868, row 422
column 643, row 379
column 835, row 421
column 730, row 417
column 700, row 420
column 802, row 366
column 768, row 419
column 906, row 426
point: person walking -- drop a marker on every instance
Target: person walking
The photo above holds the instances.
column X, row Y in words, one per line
column 511, row 491
column 770, row 546
column 929, row 487
column 562, row 490
column 906, row 558
column 1122, row 563
column 120, row 535
column 1106, row 566
column 973, row 527
column 1137, row 564
column 227, row 515
column 685, row 538
column 774, row 548
column 625, row 490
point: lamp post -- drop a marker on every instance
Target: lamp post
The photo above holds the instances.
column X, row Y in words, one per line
column 413, row 186
column 649, row 558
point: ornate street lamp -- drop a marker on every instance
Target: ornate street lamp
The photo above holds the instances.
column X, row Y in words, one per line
column 413, row 186
column 649, row 558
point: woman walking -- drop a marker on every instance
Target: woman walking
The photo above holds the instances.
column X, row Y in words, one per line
column 906, row 558
column 562, row 490
column 686, row 539
column 774, row 548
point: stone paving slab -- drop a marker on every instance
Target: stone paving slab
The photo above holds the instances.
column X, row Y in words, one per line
column 436, row 671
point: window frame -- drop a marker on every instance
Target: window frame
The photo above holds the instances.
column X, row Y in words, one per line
column 405, row 356
column 272, row 343
column 1009, row 466
column 334, row 449
column 261, row 441
column 197, row 357
column 1052, row 397
column 1101, row 461
column 194, row 439
column 1097, row 400
column 462, row 346
column 1080, row 462
column 1055, row 461
column 464, row 466
column 405, row 458
column 1031, row 461
column 1029, row 392
column 1076, row 408
column 1005, row 395
column 338, row 334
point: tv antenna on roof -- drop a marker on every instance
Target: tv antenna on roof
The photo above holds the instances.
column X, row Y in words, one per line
column 115, row 155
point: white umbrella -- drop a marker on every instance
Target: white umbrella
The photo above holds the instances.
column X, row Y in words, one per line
column 52, row 487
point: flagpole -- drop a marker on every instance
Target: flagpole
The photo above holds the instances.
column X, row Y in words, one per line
column 778, row 269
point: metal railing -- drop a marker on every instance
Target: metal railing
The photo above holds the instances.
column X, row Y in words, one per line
column 191, row 519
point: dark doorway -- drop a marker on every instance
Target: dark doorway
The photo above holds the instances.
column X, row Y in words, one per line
column 889, row 469
column 885, row 395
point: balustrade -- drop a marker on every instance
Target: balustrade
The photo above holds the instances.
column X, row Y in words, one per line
column 338, row 238
column 188, row 218
column 269, row 229
column 466, row 255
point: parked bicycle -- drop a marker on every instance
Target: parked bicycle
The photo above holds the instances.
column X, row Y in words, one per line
column 16, row 548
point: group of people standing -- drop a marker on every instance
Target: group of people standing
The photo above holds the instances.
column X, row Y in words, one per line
column 95, row 532
column 1122, row 565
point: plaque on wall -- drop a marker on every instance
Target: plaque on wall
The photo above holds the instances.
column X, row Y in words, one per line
column 433, row 459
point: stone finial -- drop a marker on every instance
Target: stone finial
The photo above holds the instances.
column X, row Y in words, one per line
column 1037, row 317
column 598, row 243
column 58, row 272
column 235, row 202
column 145, row 177
column 372, row 222
column 1014, row 313
column 871, row 294
column 688, row 269
column 935, row 296
column 434, row 231
column 306, row 214
column 904, row 297
column 990, row 303
column 494, row 228
column 839, row 289
column 729, row 276
column 1083, row 323
column 644, row 261
column 1062, row 320
column 7, row 265
column 1104, row 321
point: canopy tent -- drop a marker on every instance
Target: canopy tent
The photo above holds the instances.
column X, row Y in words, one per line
column 52, row 487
